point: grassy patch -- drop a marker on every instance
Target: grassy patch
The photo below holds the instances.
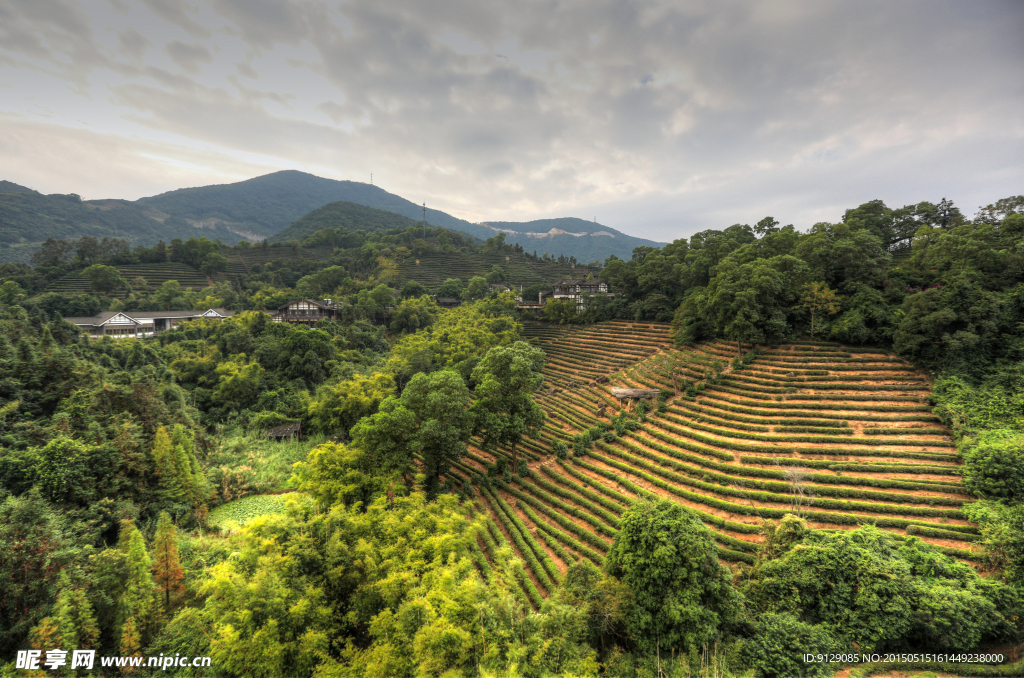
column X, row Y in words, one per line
column 236, row 513
column 243, row 464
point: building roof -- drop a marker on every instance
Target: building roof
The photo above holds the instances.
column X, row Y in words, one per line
column 327, row 304
column 142, row 316
column 573, row 283
column 285, row 430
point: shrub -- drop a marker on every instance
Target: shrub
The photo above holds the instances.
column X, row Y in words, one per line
column 581, row 443
column 779, row 644
column 506, row 475
column 560, row 449
column 994, row 465
column 609, row 436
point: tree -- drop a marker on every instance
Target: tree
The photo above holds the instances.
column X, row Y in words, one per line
column 10, row 292
column 505, row 411
column 389, row 439
column 168, row 293
column 167, row 572
column 74, row 617
column 497, row 275
column 681, row 593
column 440, row 402
column 136, row 605
column 414, row 314
column 994, row 465
column 413, row 289
column 323, row 282
column 561, row 311
column 451, row 288
column 339, row 405
column 63, row 470
column 743, row 302
column 240, row 382
column 213, row 263
column 476, row 289
column 104, row 279
column 818, row 298
column 35, row 544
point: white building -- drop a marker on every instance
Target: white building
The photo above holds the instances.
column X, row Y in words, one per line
column 123, row 324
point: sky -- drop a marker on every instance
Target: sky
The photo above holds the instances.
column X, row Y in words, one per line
column 659, row 119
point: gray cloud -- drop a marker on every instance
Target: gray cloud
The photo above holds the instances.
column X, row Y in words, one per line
column 188, row 57
column 659, row 117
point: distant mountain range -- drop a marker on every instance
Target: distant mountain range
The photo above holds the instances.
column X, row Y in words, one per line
column 266, row 207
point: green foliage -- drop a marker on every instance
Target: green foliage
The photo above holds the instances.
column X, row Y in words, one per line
column 866, row 587
column 339, row 405
column 994, row 465
column 414, row 314
column 35, row 543
column 451, row 288
column 504, row 408
column 667, row 559
column 475, row 289
column 1002, row 531
column 62, row 470
column 780, row 641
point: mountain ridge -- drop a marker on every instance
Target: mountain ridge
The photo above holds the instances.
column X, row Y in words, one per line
column 264, row 207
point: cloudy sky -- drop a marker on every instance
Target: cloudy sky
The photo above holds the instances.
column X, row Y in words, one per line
column 658, row 118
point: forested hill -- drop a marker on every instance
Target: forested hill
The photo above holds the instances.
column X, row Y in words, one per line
column 345, row 215
column 11, row 187
column 28, row 218
column 586, row 240
column 266, row 205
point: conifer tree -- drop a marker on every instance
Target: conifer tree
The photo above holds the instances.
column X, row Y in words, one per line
column 45, row 635
column 75, row 619
column 166, row 564
column 137, row 599
column 47, row 339
column 131, row 639
column 168, row 489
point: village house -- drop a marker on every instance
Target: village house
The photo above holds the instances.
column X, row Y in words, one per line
column 307, row 311
column 124, row 324
column 575, row 289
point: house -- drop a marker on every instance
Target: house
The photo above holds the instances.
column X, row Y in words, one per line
column 574, row 289
column 123, row 324
column 307, row 311
column 448, row 302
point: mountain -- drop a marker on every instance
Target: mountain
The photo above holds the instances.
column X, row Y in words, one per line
column 266, row 205
column 343, row 214
column 586, row 240
column 28, row 218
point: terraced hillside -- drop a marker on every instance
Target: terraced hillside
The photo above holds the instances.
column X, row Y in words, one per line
column 434, row 268
column 155, row 275
column 841, row 436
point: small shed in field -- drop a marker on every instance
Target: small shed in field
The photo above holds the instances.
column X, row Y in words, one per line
column 286, row 431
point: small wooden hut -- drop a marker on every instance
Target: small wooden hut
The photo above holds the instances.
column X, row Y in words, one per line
column 286, row 431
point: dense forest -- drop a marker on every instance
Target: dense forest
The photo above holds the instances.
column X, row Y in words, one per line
column 143, row 510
